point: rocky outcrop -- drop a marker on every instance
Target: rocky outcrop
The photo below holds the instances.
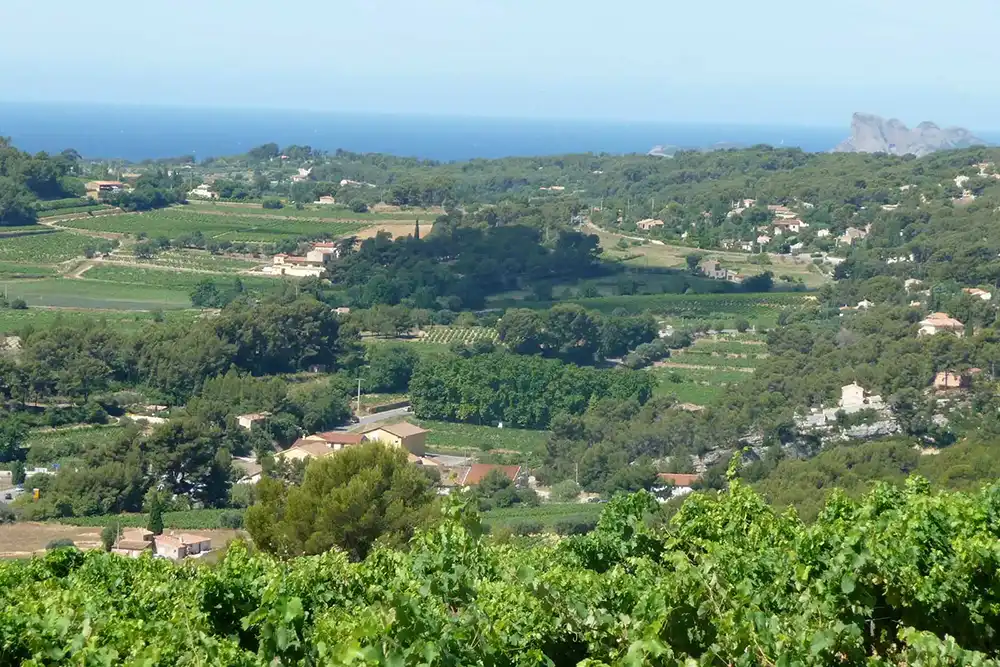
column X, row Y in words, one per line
column 872, row 134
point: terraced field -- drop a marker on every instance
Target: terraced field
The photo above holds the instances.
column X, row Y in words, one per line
column 700, row 373
column 178, row 221
column 203, row 261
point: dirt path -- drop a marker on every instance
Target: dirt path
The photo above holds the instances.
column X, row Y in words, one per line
column 80, row 270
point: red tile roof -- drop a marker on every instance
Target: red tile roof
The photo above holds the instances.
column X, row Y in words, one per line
column 479, row 471
column 678, row 479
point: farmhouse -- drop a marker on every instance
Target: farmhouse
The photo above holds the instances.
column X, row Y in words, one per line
column 792, row 225
column 249, row 421
column 319, row 445
column 648, row 224
column 326, row 199
column 781, row 212
column 402, row 434
column 852, row 235
column 203, row 191
column 940, row 323
column 677, row 483
column 102, row 189
column 946, row 380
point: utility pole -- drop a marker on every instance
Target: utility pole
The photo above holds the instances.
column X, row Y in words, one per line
column 577, row 476
column 359, row 397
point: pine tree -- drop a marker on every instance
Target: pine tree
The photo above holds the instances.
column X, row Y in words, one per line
column 155, row 515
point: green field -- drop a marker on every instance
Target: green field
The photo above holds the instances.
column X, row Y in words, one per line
column 43, row 248
column 73, row 210
column 165, row 278
column 10, row 270
column 546, row 514
column 64, row 445
column 177, row 221
column 465, row 437
column 68, row 293
column 12, row 321
column 695, row 385
column 204, row 519
column 761, row 309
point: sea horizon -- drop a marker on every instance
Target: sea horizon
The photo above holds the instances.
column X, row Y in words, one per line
column 134, row 133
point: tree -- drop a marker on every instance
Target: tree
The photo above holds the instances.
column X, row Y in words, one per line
column 348, row 501
column 693, row 259
column 17, row 473
column 566, row 491
column 389, row 368
column 155, row 523
column 109, row 535
column 12, row 435
column 358, row 206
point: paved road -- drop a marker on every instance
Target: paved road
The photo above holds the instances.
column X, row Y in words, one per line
column 383, row 416
column 450, row 461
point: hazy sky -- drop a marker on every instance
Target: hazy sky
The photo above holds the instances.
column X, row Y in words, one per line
column 769, row 61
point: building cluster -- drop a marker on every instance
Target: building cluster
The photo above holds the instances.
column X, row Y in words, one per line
column 853, row 399
column 311, row 265
column 711, row 268
column 104, row 189
column 175, row 546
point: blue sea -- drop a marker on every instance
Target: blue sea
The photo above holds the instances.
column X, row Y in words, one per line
column 139, row 132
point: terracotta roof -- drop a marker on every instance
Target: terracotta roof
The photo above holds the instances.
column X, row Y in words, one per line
column 339, row 437
column 311, row 447
column 168, row 540
column 478, row 471
column 401, row 429
column 942, row 320
column 678, row 479
column 190, row 538
column 248, row 468
column 133, row 545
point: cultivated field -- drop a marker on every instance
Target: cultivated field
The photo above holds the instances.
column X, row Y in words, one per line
column 448, row 436
column 448, row 335
column 199, row 260
column 178, row 221
column 547, row 515
column 43, row 248
column 91, row 294
column 165, row 278
column 700, row 373
column 63, row 445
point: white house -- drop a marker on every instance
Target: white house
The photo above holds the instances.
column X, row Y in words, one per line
column 976, row 292
column 822, row 233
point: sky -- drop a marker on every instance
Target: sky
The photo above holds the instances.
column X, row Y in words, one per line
column 712, row 61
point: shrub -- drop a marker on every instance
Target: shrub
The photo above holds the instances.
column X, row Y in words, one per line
column 527, row 528
column 7, row 515
column 359, row 206
column 565, row 491
column 60, row 543
column 272, row 204
column 109, row 534
column 19, row 304
column 575, row 526
column 232, row 519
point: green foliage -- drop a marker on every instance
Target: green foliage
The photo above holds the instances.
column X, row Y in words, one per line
column 517, row 390
column 109, row 535
column 902, row 577
column 155, row 524
column 362, row 495
column 17, row 473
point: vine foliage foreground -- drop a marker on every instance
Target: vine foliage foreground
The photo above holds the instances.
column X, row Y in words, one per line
column 902, row 577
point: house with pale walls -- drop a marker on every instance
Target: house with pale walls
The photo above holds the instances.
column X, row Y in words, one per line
column 401, row 435
column 851, row 236
column 822, row 233
column 326, row 199
column 763, row 239
column 936, row 323
column 648, row 224
column 678, row 484
column 252, row 420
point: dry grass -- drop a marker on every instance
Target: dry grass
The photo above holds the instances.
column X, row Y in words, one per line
column 23, row 540
column 671, row 256
column 396, row 229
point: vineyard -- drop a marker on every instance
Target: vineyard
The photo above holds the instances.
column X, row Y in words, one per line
column 465, row 437
column 178, row 221
column 12, row 321
column 203, row 261
column 466, row 335
column 903, row 577
column 63, row 445
column 42, row 248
